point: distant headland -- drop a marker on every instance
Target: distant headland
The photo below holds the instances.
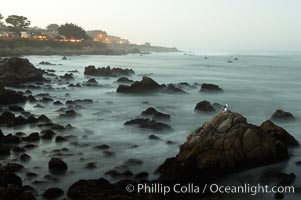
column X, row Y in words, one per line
column 18, row 38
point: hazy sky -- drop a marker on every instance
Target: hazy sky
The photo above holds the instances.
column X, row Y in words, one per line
column 217, row 25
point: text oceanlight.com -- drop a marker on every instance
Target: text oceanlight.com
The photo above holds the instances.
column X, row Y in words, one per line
column 211, row 188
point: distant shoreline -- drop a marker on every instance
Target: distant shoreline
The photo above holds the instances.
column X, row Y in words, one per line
column 23, row 47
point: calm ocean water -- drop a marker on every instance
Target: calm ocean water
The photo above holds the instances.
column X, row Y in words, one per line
column 254, row 86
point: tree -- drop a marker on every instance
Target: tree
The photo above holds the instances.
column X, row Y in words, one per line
column 1, row 17
column 72, row 31
column 17, row 23
column 52, row 27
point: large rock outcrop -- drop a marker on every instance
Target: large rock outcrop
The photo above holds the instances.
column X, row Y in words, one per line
column 107, row 71
column 227, row 143
column 15, row 71
column 148, row 85
column 10, row 97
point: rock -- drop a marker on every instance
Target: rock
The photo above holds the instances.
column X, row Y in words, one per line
column 102, row 147
column 149, row 124
column 226, row 144
column 133, row 161
column 60, row 139
column 16, row 108
column 58, row 103
column 15, row 71
column 207, row 87
column 92, row 81
column 279, row 133
column 204, row 106
column 10, row 178
column 57, row 166
column 282, row 115
column 153, row 137
column 144, row 86
column 69, row 113
column 108, row 153
column 141, row 175
column 64, row 58
column 107, row 71
column 47, row 134
column 278, row 195
column 124, row 80
column 46, row 63
column 91, row 165
column 32, row 137
column 52, row 193
column 102, row 189
column 67, row 76
column 18, row 150
column 10, row 97
column 25, row 157
column 156, row 115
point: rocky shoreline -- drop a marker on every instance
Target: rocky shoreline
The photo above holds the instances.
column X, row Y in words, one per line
column 225, row 144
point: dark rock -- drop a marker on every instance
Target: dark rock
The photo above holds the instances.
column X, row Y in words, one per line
column 141, row 175
column 145, row 85
column 67, row 76
column 91, row 165
column 108, row 153
column 53, row 193
column 15, row 71
column 226, row 144
column 207, row 87
column 60, row 139
column 170, row 142
column 282, row 115
column 58, row 103
column 92, row 81
column 278, row 195
column 32, row 137
column 149, row 124
column 46, row 63
column 153, row 137
column 44, row 118
column 107, row 71
column 124, row 80
column 10, row 178
column 18, row 150
column 25, row 157
column 64, row 58
column 156, row 115
column 16, row 108
column 102, row 147
column 47, row 134
column 204, row 106
column 57, row 166
column 12, row 167
column 133, row 161
column 9, row 96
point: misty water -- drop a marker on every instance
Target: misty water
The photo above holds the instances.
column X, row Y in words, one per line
column 254, row 86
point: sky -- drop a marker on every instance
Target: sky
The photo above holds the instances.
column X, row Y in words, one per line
column 195, row 25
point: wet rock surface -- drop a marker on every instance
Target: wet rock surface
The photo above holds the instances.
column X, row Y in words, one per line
column 148, row 85
column 107, row 71
column 15, row 71
column 227, row 143
column 282, row 115
column 149, row 124
column 208, row 87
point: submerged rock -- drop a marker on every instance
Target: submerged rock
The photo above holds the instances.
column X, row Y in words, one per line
column 52, row 193
column 207, row 87
column 204, row 106
column 227, row 143
column 124, row 80
column 156, row 115
column 149, row 124
column 57, row 166
column 282, row 115
column 107, row 71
